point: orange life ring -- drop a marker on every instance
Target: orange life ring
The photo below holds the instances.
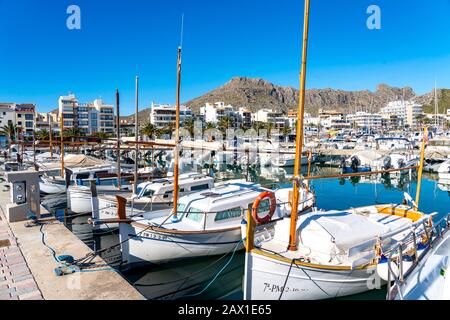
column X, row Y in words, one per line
column 273, row 205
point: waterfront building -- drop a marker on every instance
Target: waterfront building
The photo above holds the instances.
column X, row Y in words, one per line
column 365, row 120
column 246, row 117
column 277, row 118
column 20, row 115
column 408, row 111
column 87, row 117
column 333, row 120
column 164, row 115
column 215, row 112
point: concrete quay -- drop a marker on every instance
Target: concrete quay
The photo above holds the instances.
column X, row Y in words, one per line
column 27, row 265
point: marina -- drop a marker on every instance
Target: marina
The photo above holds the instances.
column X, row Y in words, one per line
column 279, row 194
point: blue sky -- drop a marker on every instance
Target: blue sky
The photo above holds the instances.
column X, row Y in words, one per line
column 41, row 59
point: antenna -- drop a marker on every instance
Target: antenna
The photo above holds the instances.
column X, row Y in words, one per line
column 182, row 30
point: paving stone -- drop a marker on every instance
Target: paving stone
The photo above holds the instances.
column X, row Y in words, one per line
column 23, row 277
column 34, row 295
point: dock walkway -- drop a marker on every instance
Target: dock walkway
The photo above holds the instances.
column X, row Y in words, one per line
column 27, row 265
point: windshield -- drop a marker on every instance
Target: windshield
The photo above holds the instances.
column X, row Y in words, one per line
column 194, row 214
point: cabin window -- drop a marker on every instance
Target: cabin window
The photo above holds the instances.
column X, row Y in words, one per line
column 200, row 187
column 167, row 194
column 182, row 190
column 148, row 192
column 99, row 172
column 83, row 176
column 228, row 214
column 180, row 208
column 194, row 214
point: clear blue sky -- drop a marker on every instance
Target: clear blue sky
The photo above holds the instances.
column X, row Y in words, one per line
column 41, row 59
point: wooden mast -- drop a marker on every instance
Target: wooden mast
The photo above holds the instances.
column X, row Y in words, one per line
column 136, row 135
column 419, row 174
column 177, row 138
column 118, row 139
column 61, row 135
column 50, row 135
column 299, row 135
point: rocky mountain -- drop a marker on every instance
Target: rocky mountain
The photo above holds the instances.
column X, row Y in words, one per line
column 256, row 93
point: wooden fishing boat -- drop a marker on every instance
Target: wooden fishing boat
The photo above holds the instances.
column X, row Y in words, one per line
column 326, row 254
column 207, row 223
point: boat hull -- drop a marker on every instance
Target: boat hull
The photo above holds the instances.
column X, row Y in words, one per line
column 266, row 280
column 150, row 246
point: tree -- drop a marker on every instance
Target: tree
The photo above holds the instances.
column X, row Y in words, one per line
column 10, row 131
column 42, row 135
column 72, row 132
column 286, row 131
column 225, row 122
column 188, row 124
column 210, row 125
column 269, row 126
column 101, row 135
column 149, row 130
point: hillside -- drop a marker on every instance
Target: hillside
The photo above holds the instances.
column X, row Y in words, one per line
column 256, row 93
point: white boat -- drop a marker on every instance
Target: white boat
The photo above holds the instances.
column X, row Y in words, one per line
column 428, row 278
column 337, row 255
column 288, row 160
column 207, row 223
column 444, row 170
column 151, row 195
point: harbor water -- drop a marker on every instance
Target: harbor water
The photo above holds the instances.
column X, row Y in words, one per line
column 220, row 277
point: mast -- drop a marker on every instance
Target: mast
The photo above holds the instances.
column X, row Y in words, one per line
column 118, row 138
column 435, row 106
column 50, row 135
column 299, row 136
column 176, row 149
column 136, row 135
column 61, row 135
column 419, row 174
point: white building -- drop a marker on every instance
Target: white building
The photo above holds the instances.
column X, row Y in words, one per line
column 163, row 115
column 408, row 111
column 87, row 117
column 215, row 112
column 333, row 120
column 246, row 117
column 366, row 120
column 278, row 119
column 20, row 115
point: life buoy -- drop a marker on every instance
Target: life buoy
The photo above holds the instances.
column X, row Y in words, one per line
column 273, row 205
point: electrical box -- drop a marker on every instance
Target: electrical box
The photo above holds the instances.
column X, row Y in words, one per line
column 19, row 192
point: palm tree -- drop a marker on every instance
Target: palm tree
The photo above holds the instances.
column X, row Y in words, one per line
column 210, row 125
column 286, row 131
column 225, row 122
column 42, row 135
column 72, row 132
column 188, row 124
column 101, row 135
column 148, row 130
column 269, row 127
column 10, row 130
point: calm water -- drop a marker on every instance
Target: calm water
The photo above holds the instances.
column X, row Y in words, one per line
column 191, row 279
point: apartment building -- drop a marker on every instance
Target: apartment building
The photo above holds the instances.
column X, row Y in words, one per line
column 333, row 120
column 408, row 111
column 215, row 112
column 163, row 115
column 277, row 118
column 365, row 120
column 20, row 115
column 87, row 117
column 245, row 117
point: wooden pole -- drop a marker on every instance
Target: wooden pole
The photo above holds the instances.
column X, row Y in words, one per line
column 50, row 135
column 177, row 127
column 419, row 175
column 61, row 135
column 299, row 135
column 118, row 139
column 136, row 136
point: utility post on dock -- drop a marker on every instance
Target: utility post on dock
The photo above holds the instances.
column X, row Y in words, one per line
column 61, row 135
column 118, row 139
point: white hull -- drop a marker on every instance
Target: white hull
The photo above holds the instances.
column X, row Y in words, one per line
column 289, row 162
column 48, row 187
column 79, row 198
column 159, row 247
column 268, row 281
